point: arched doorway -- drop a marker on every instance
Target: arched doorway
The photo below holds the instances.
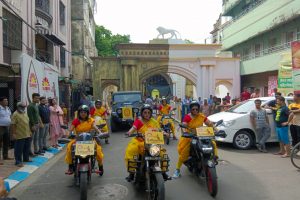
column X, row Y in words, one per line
column 158, row 84
column 223, row 87
column 107, row 94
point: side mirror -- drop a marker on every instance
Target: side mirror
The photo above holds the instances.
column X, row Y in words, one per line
column 219, row 122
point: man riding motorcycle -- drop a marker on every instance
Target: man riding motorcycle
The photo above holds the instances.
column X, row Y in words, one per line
column 100, row 110
column 136, row 145
column 166, row 109
column 192, row 120
column 82, row 124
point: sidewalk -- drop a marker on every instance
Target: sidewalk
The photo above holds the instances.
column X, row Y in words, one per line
column 14, row 175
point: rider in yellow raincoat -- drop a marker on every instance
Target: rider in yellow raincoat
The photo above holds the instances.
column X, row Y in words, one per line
column 166, row 109
column 83, row 124
column 193, row 120
column 100, row 111
column 136, row 145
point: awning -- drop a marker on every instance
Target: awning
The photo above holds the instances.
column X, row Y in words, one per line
column 48, row 34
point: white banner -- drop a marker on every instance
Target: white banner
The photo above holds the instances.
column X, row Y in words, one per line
column 38, row 77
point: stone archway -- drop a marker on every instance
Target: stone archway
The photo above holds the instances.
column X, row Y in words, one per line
column 222, row 87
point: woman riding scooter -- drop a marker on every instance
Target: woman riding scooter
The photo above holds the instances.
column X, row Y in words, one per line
column 166, row 109
column 192, row 120
column 100, row 111
column 82, row 124
column 136, row 145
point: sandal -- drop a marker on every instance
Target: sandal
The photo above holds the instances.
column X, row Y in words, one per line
column 278, row 153
column 285, row 156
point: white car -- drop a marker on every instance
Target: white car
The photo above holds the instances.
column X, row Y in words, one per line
column 237, row 128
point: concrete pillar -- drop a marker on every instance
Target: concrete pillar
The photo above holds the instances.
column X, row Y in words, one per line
column 211, row 87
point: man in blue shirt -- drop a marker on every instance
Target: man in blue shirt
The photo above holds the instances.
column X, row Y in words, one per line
column 282, row 128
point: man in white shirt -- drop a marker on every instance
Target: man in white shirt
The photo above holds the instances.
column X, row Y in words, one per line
column 5, row 122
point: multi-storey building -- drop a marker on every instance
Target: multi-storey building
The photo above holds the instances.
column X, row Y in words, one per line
column 260, row 33
column 83, row 45
column 34, row 48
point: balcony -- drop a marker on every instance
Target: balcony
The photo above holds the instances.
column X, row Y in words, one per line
column 42, row 9
column 265, row 60
column 265, row 17
column 43, row 56
column 229, row 5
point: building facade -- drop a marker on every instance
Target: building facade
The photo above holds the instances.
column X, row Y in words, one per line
column 34, row 48
column 83, row 46
column 260, row 34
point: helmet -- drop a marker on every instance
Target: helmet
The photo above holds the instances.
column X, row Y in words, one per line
column 83, row 108
column 194, row 103
column 146, row 107
column 98, row 101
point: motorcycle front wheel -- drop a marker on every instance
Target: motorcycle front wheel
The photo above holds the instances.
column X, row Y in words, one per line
column 211, row 181
column 83, row 185
column 157, row 187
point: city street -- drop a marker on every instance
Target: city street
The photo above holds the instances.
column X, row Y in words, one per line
column 242, row 175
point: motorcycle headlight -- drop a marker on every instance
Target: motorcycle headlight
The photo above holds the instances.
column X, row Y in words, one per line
column 228, row 123
column 119, row 111
column 154, row 150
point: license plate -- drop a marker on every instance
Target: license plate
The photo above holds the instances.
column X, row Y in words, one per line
column 205, row 131
column 154, row 137
column 152, row 158
column 127, row 113
column 85, row 148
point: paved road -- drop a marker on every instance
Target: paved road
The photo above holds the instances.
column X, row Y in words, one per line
column 242, row 175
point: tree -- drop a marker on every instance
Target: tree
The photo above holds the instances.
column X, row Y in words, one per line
column 187, row 41
column 106, row 42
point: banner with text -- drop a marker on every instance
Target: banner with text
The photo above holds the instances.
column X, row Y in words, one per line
column 296, row 66
column 272, row 83
column 38, row 77
column 285, row 80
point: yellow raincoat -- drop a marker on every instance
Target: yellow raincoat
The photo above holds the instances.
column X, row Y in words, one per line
column 81, row 127
column 136, row 146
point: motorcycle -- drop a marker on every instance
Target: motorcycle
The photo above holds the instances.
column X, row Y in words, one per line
column 147, row 168
column 84, row 157
column 101, row 123
column 165, row 123
column 202, row 160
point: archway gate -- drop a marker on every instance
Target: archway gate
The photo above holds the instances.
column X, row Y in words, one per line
column 198, row 63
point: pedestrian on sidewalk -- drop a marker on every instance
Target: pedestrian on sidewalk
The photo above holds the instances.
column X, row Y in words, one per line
column 35, row 123
column 56, row 120
column 205, row 108
column 20, row 132
column 44, row 112
column 5, row 121
column 245, row 95
column 260, row 122
column 282, row 128
column 255, row 94
column 294, row 119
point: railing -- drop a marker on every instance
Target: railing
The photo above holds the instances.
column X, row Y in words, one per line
column 43, row 5
column 43, row 56
column 268, row 51
column 245, row 11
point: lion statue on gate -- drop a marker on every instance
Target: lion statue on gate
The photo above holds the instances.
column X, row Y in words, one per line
column 163, row 31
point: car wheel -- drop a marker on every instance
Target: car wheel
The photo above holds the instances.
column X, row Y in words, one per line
column 243, row 140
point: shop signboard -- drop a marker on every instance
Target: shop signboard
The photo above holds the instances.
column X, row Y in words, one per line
column 296, row 66
column 285, row 80
column 38, row 77
column 272, row 83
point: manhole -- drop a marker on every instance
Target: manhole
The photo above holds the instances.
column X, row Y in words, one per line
column 109, row 192
column 223, row 162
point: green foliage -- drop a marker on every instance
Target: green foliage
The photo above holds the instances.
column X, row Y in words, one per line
column 187, row 41
column 106, row 42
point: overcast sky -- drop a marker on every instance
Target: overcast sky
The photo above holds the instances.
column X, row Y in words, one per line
column 194, row 19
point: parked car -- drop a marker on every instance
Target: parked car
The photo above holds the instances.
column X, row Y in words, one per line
column 236, row 127
column 124, row 103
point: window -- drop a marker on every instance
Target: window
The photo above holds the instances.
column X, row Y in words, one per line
column 12, row 31
column 272, row 44
column 257, row 49
column 62, row 57
column 62, row 14
column 246, row 53
column 290, row 37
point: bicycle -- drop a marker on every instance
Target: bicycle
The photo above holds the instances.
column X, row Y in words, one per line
column 295, row 155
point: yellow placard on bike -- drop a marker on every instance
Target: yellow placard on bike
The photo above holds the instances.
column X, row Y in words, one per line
column 127, row 113
column 85, row 149
column 154, row 137
column 205, row 131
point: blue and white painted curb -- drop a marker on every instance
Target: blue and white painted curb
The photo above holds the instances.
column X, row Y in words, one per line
column 21, row 174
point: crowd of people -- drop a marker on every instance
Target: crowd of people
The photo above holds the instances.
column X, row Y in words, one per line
column 32, row 132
